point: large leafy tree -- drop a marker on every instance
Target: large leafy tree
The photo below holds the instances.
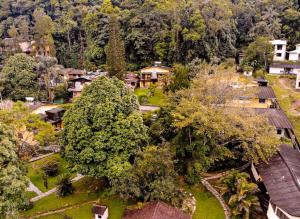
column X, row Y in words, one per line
column 152, row 177
column 103, row 129
column 258, row 54
column 209, row 131
column 13, row 181
column 19, row 77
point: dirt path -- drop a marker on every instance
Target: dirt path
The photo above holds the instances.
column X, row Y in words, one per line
column 285, row 83
column 58, row 210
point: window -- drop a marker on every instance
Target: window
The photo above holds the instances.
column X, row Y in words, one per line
column 298, row 84
column 279, row 131
column 262, row 100
column 279, row 47
column 278, row 54
column 280, row 214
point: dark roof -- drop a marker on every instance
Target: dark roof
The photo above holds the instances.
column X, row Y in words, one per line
column 156, row 210
column 285, row 65
column 81, row 79
column 276, row 117
column 281, row 177
column 55, row 110
column 98, row 209
column 266, row 93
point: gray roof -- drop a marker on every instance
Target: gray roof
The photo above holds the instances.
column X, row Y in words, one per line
column 276, row 117
column 55, row 110
column 285, row 65
column 266, row 93
column 281, row 176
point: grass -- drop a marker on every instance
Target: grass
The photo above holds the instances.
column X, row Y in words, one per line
column 85, row 191
column 207, row 206
column 159, row 99
column 35, row 172
column 286, row 97
column 30, row 195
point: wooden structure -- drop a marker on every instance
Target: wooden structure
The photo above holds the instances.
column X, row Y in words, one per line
column 154, row 75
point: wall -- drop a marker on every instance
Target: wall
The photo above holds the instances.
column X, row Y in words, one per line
column 294, row 57
column 274, row 70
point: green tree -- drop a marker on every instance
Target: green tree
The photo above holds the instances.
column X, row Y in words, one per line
column 103, row 129
column 20, row 77
column 208, row 131
column 240, row 193
column 152, row 177
column 258, row 54
column 43, row 28
column 64, row 185
column 180, row 78
column 115, row 51
column 13, row 181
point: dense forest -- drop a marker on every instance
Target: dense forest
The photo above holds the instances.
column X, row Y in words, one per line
column 172, row 31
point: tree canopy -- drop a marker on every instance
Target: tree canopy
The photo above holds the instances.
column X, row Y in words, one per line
column 19, row 78
column 13, row 181
column 103, row 129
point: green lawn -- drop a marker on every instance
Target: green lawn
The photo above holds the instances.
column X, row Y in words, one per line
column 35, row 172
column 285, row 98
column 207, row 206
column 30, row 195
column 159, row 99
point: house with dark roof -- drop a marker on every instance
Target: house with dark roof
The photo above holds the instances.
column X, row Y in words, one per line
column 278, row 119
column 54, row 116
column 156, row 210
column 100, row 212
column 279, row 181
column 285, row 62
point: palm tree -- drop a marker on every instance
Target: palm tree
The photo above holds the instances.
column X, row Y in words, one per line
column 240, row 193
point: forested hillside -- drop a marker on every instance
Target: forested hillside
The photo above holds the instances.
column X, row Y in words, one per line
column 167, row 30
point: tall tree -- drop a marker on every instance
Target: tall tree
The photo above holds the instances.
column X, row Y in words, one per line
column 13, row 181
column 208, row 131
column 115, row 51
column 20, row 77
column 43, row 28
column 103, row 129
column 152, row 177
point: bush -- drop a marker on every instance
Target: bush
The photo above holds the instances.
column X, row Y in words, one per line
column 64, row 185
column 143, row 99
column 50, row 168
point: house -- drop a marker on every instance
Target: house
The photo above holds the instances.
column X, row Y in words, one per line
column 131, row 80
column 54, row 116
column 72, row 73
column 154, row 75
column 156, row 210
column 100, row 212
column 298, row 80
column 279, row 50
column 284, row 62
column 78, row 85
column 279, row 181
column 278, row 119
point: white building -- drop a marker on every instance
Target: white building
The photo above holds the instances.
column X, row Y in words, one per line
column 279, row 50
column 284, row 62
column 298, row 80
column 279, row 181
column 100, row 212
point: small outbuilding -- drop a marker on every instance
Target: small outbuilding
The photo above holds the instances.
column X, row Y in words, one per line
column 100, row 211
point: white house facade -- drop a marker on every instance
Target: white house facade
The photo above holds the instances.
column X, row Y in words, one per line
column 284, row 62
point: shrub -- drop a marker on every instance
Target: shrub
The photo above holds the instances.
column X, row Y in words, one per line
column 64, row 185
column 143, row 99
column 50, row 168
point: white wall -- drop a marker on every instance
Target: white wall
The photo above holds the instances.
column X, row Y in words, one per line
column 254, row 172
column 272, row 215
column 294, row 56
column 276, row 70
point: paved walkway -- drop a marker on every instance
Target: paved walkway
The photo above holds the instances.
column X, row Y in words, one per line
column 148, row 108
column 33, row 188
column 42, row 195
